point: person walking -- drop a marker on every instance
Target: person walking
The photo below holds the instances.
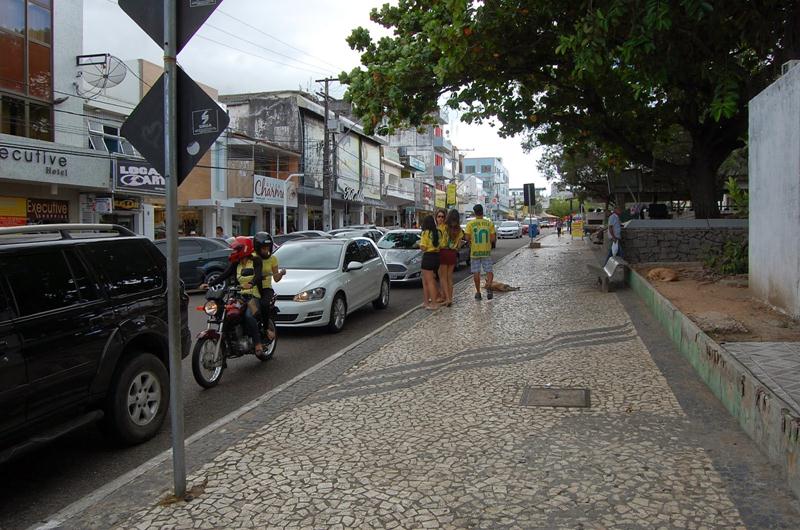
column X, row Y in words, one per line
column 452, row 238
column 481, row 234
column 559, row 226
column 429, row 244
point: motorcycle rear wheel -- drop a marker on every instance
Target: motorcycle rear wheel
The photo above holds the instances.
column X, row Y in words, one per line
column 269, row 347
column 206, row 370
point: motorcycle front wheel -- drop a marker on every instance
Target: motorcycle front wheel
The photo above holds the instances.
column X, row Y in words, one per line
column 269, row 347
column 207, row 369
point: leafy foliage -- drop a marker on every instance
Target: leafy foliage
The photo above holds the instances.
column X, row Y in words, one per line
column 739, row 197
column 617, row 75
column 731, row 260
column 559, row 207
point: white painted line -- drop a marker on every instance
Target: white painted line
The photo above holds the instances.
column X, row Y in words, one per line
column 62, row 516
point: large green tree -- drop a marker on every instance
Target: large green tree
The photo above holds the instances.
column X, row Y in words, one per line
column 617, row 73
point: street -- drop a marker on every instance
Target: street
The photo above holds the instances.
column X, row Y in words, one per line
column 44, row 482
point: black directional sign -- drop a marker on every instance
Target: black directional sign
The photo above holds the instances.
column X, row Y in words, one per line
column 529, row 192
column 200, row 120
column 149, row 14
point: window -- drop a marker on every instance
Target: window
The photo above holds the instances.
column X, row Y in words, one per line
column 26, row 70
column 82, row 281
column 438, row 160
column 352, row 254
column 6, row 312
column 40, row 282
column 437, row 131
column 486, row 169
column 106, row 137
column 366, row 251
column 126, row 267
column 188, row 247
column 469, row 169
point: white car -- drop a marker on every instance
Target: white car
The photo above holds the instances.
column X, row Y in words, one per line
column 512, row 229
column 327, row 279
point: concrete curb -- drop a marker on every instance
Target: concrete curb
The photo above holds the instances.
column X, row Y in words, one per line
column 773, row 424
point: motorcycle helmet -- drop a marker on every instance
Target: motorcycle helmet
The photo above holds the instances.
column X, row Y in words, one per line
column 261, row 240
column 242, row 247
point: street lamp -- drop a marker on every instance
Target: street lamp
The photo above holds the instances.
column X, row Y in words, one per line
column 286, row 198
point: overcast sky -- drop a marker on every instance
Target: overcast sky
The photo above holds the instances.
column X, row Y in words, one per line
column 272, row 45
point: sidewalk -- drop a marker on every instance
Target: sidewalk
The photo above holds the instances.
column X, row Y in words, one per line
column 437, row 426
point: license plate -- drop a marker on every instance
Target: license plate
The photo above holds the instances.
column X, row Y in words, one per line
column 396, row 276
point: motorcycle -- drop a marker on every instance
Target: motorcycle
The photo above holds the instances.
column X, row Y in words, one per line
column 225, row 336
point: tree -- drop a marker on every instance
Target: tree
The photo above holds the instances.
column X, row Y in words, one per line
column 617, row 73
column 559, row 207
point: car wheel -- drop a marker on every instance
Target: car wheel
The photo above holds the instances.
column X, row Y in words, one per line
column 138, row 398
column 211, row 277
column 382, row 302
column 338, row 314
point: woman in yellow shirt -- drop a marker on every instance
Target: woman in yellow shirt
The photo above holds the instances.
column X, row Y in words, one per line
column 429, row 244
column 451, row 240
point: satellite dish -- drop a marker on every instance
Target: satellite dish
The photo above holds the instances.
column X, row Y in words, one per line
column 96, row 73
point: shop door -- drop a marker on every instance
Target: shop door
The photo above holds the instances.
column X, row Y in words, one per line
column 125, row 221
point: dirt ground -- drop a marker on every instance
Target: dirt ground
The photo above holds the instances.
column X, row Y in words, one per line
column 724, row 307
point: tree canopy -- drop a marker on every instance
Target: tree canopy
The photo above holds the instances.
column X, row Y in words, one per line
column 619, row 74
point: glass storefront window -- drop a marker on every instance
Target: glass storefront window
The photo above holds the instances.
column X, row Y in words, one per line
column 39, row 73
column 12, row 67
column 39, row 23
column 12, row 16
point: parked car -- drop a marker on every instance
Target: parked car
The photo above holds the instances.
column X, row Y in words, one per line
column 314, row 233
column 283, row 238
column 83, row 334
column 201, row 259
column 327, row 279
column 373, row 233
column 509, row 229
column 403, row 257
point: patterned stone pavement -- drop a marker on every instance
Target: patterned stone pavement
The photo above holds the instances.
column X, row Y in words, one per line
column 429, row 431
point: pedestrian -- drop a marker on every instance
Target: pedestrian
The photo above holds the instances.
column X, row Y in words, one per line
column 452, row 240
column 481, row 235
column 429, row 244
column 559, row 225
column 615, row 232
column 221, row 233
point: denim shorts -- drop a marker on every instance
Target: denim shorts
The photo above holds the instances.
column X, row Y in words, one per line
column 476, row 264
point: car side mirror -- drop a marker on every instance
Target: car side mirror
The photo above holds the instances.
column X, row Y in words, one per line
column 354, row 266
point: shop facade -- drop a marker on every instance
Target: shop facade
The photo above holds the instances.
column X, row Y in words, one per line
column 42, row 182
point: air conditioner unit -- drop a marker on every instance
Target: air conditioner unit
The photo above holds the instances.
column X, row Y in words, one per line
column 788, row 65
column 335, row 126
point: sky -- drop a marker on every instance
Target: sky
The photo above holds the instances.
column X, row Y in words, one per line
column 262, row 45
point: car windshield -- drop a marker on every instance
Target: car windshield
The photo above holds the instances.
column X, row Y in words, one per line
column 345, row 235
column 400, row 240
column 510, row 223
column 312, row 255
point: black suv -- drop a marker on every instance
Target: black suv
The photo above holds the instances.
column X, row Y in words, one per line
column 83, row 334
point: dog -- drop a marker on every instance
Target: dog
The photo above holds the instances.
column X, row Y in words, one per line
column 500, row 287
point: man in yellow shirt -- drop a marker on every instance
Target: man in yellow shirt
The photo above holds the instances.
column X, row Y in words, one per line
column 481, row 234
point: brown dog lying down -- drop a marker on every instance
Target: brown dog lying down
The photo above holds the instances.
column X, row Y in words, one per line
column 499, row 287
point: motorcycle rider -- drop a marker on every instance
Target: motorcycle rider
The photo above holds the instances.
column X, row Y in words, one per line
column 247, row 267
column 263, row 246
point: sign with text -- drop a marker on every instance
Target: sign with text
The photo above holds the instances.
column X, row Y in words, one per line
column 138, row 176
column 13, row 211
column 441, row 199
column 200, row 122
column 577, row 228
column 47, row 211
column 267, row 190
column 452, row 198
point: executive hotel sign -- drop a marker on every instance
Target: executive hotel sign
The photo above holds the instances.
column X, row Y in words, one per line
column 41, row 162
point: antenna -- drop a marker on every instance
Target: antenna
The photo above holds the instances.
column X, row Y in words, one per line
column 98, row 72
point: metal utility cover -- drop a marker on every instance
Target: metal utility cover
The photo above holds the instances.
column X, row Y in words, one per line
column 555, row 397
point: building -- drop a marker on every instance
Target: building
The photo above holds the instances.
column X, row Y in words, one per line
column 495, row 180
column 294, row 122
column 44, row 163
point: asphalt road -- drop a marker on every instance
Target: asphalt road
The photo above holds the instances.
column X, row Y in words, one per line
column 44, row 482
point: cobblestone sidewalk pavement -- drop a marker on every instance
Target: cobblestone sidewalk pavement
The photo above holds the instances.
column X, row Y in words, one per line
column 439, row 428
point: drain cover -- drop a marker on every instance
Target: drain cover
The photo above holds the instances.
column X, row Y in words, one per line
column 555, row 397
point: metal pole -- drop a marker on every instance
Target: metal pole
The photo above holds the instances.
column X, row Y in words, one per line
column 173, row 281
column 327, row 223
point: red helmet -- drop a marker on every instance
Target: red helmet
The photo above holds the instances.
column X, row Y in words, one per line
column 242, row 247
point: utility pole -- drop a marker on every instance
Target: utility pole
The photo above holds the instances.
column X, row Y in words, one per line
column 327, row 212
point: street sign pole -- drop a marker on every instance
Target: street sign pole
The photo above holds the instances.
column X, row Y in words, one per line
column 173, row 281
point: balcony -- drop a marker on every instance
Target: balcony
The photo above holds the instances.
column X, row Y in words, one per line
column 399, row 190
column 445, row 172
column 442, row 144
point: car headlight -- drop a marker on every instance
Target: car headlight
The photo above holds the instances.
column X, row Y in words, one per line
column 311, row 294
column 210, row 308
column 416, row 259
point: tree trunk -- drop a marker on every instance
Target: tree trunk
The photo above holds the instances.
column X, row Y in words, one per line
column 702, row 177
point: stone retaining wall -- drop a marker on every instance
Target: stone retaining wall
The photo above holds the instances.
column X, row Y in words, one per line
column 649, row 241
